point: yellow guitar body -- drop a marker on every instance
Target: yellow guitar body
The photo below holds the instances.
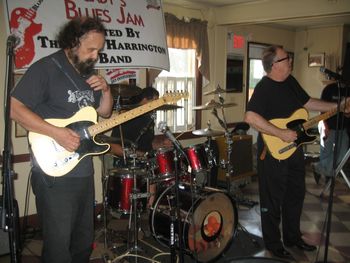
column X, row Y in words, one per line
column 52, row 158
column 279, row 149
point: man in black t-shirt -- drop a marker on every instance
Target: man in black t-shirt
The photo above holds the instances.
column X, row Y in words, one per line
column 328, row 129
column 281, row 181
column 57, row 87
column 140, row 133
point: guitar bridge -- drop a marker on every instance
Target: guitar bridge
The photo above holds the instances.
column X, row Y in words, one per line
column 287, row 148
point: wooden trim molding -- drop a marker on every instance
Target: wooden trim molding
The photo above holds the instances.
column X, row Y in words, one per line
column 19, row 158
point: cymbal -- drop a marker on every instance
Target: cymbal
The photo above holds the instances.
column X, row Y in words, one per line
column 125, row 90
column 218, row 90
column 208, row 132
column 166, row 107
column 213, row 104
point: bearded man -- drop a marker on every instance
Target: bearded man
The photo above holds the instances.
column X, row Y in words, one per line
column 56, row 87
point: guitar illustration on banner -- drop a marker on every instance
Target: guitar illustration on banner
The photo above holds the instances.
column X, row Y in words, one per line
column 22, row 25
column 298, row 122
column 54, row 160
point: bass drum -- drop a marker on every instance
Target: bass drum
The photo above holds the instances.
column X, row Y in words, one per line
column 208, row 225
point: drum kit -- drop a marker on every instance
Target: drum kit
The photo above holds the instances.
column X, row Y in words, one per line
column 187, row 214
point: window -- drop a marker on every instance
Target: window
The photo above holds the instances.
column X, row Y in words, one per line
column 181, row 77
column 255, row 67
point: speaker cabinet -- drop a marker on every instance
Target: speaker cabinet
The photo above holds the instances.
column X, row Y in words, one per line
column 241, row 156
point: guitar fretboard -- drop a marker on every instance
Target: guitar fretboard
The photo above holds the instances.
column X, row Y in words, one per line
column 312, row 122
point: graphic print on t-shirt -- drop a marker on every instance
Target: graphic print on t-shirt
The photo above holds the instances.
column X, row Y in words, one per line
column 82, row 97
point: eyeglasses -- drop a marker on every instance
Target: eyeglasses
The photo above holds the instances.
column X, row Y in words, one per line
column 280, row 60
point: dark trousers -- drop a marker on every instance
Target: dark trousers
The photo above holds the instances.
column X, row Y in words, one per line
column 282, row 192
column 65, row 209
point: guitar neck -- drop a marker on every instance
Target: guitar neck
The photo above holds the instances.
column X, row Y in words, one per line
column 118, row 119
column 313, row 121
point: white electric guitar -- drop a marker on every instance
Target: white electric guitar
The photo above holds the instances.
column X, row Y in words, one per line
column 55, row 160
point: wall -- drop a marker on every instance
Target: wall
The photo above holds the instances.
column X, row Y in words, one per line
column 318, row 40
column 252, row 33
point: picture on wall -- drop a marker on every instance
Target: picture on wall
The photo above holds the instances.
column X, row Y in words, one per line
column 316, row 60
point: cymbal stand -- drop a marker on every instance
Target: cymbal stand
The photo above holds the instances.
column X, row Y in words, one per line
column 209, row 151
column 227, row 165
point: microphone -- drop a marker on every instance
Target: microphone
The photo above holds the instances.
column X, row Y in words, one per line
column 12, row 41
column 331, row 74
column 163, row 128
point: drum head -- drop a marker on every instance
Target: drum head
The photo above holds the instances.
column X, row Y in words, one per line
column 208, row 221
column 215, row 220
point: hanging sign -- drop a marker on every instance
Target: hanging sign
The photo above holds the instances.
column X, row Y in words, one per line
column 135, row 30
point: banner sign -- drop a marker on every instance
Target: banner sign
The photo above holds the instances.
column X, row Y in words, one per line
column 119, row 75
column 135, row 30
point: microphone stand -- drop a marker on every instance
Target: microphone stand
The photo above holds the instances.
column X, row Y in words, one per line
column 9, row 216
column 175, row 216
column 334, row 174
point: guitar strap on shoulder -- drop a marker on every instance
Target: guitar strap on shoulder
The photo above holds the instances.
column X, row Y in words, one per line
column 263, row 153
column 65, row 73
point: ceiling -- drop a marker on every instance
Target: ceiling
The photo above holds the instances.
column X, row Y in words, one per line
column 291, row 24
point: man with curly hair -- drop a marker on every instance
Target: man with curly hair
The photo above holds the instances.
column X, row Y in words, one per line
column 58, row 86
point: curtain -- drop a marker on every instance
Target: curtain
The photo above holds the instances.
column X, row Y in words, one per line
column 190, row 34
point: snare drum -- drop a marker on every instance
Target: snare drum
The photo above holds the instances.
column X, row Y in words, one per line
column 120, row 186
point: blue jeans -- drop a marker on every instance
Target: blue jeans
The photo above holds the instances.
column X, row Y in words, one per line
column 325, row 165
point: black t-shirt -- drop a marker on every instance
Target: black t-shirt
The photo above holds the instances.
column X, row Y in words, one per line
column 273, row 99
column 331, row 93
column 52, row 88
column 139, row 131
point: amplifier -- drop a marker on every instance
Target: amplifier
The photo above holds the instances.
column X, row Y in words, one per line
column 241, row 156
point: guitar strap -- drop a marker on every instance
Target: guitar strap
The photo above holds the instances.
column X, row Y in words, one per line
column 65, row 73
column 263, row 153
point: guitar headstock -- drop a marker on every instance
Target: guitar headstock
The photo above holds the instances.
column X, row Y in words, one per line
column 171, row 97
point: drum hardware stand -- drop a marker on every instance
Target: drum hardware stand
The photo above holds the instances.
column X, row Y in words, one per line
column 335, row 172
column 227, row 165
column 175, row 216
column 134, row 213
column 105, row 231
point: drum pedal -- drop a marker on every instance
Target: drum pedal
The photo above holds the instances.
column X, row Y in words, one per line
column 245, row 202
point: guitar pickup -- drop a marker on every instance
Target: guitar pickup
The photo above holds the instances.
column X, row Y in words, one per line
column 66, row 160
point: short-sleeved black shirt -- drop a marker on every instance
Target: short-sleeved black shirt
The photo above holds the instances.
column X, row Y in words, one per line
column 273, row 99
column 139, row 131
column 52, row 88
